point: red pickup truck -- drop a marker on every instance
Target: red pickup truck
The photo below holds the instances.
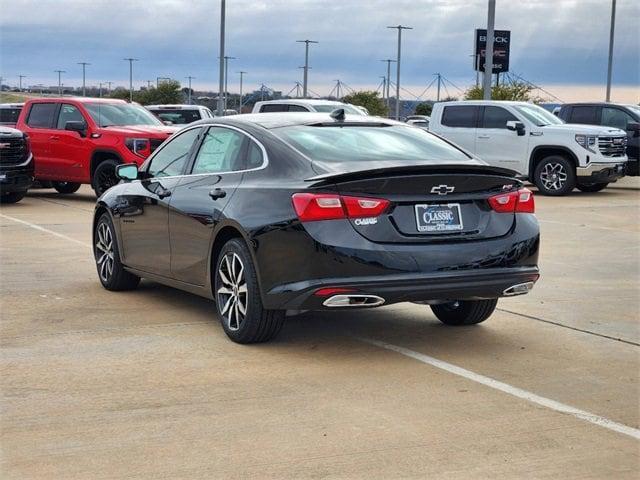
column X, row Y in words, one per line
column 81, row 140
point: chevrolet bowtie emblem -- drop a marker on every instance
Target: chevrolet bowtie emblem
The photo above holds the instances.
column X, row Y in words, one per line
column 442, row 189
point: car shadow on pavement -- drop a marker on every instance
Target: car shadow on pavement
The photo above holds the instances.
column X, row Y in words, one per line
column 49, row 194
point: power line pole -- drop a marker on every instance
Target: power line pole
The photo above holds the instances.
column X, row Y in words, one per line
column 20, row 80
column 221, row 57
column 131, row 60
column 100, row 90
column 611, row 35
column 400, row 28
column 305, row 78
column 84, row 89
column 387, row 94
column 108, row 86
column 189, row 96
column 226, row 79
column 439, row 82
column 60, row 72
column 488, row 62
column 242, row 73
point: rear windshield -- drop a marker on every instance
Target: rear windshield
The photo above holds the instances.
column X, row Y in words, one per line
column 9, row 114
column 120, row 114
column 368, row 143
column 330, row 108
column 177, row 117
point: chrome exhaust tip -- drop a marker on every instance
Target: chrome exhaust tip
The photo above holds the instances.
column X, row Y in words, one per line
column 518, row 289
column 338, row 301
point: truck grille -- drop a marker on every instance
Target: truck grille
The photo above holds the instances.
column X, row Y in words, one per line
column 612, row 146
column 13, row 151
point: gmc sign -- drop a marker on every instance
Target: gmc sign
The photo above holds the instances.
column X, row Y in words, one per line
column 501, row 42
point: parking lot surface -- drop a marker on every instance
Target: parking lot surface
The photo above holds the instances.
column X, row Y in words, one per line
column 145, row 384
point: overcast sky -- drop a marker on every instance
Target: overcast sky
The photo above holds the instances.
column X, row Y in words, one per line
column 558, row 44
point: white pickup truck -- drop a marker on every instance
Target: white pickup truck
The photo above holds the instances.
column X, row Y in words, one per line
column 526, row 138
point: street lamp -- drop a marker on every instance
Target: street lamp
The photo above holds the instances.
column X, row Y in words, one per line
column 131, row 60
column 221, row 58
column 189, row 78
column 611, row 35
column 226, row 79
column 306, row 65
column 400, row 28
column 488, row 58
column 84, row 65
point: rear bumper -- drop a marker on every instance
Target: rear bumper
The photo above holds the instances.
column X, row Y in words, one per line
column 601, row 172
column 16, row 178
column 459, row 285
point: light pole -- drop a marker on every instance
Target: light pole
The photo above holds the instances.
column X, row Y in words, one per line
column 21, row 77
column 131, row 60
column 221, row 56
column 100, row 90
column 400, row 28
column 488, row 58
column 189, row 96
column 108, row 86
column 439, row 82
column 60, row 72
column 84, row 65
column 226, row 79
column 305, row 79
column 386, row 94
column 242, row 73
column 611, row 34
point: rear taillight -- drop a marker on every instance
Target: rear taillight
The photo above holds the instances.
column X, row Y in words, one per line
column 312, row 207
column 513, row 202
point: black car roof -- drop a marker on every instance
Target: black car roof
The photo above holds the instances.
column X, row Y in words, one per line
column 276, row 120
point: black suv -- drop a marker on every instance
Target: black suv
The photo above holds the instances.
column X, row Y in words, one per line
column 16, row 165
column 623, row 116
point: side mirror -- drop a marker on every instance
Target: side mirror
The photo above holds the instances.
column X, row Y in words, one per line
column 76, row 126
column 633, row 127
column 127, row 171
column 516, row 127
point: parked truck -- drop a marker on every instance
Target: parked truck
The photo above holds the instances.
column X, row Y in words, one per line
column 555, row 156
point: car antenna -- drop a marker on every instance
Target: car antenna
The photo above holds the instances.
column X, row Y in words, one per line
column 338, row 114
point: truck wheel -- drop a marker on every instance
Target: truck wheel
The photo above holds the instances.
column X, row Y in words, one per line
column 12, row 197
column 66, row 187
column 238, row 300
column 464, row 312
column 104, row 177
column 555, row 176
column 592, row 187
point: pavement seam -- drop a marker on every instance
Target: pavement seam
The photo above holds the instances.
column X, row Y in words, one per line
column 46, row 230
column 508, row 389
column 558, row 324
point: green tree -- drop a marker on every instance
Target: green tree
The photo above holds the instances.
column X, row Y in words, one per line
column 369, row 100
column 510, row 90
column 167, row 92
column 424, row 108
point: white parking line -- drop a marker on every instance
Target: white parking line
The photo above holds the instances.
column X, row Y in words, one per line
column 46, row 230
column 506, row 388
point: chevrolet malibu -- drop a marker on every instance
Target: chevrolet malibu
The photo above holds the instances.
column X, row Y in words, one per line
column 275, row 214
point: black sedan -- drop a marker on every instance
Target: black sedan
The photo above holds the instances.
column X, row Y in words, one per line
column 275, row 214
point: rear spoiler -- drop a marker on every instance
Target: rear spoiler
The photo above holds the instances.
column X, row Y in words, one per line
column 412, row 169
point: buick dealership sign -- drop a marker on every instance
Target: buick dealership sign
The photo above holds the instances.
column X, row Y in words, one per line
column 501, row 42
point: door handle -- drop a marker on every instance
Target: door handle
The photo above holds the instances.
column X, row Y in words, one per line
column 163, row 192
column 54, row 137
column 484, row 136
column 217, row 193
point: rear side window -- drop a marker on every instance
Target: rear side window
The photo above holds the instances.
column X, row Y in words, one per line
column 41, row 115
column 584, row 114
column 254, row 156
column 297, row 108
column 614, row 117
column 496, row 117
column 274, row 107
column 221, row 151
column 460, row 116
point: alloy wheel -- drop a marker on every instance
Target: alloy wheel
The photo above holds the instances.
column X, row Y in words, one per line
column 232, row 291
column 104, row 252
column 553, row 176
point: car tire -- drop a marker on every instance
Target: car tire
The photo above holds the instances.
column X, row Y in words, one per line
column 104, row 177
column 12, row 197
column 111, row 272
column 236, row 289
column 592, row 187
column 66, row 187
column 464, row 312
column 555, row 175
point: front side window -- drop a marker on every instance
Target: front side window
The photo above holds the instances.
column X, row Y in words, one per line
column 68, row 113
column 41, row 115
column 297, row 108
column 120, row 114
column 220, row 151
column 355, row 143
column 172, row 158
column 538, row 115
column 614, row 117
column 496, row 117
column 461, row 116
